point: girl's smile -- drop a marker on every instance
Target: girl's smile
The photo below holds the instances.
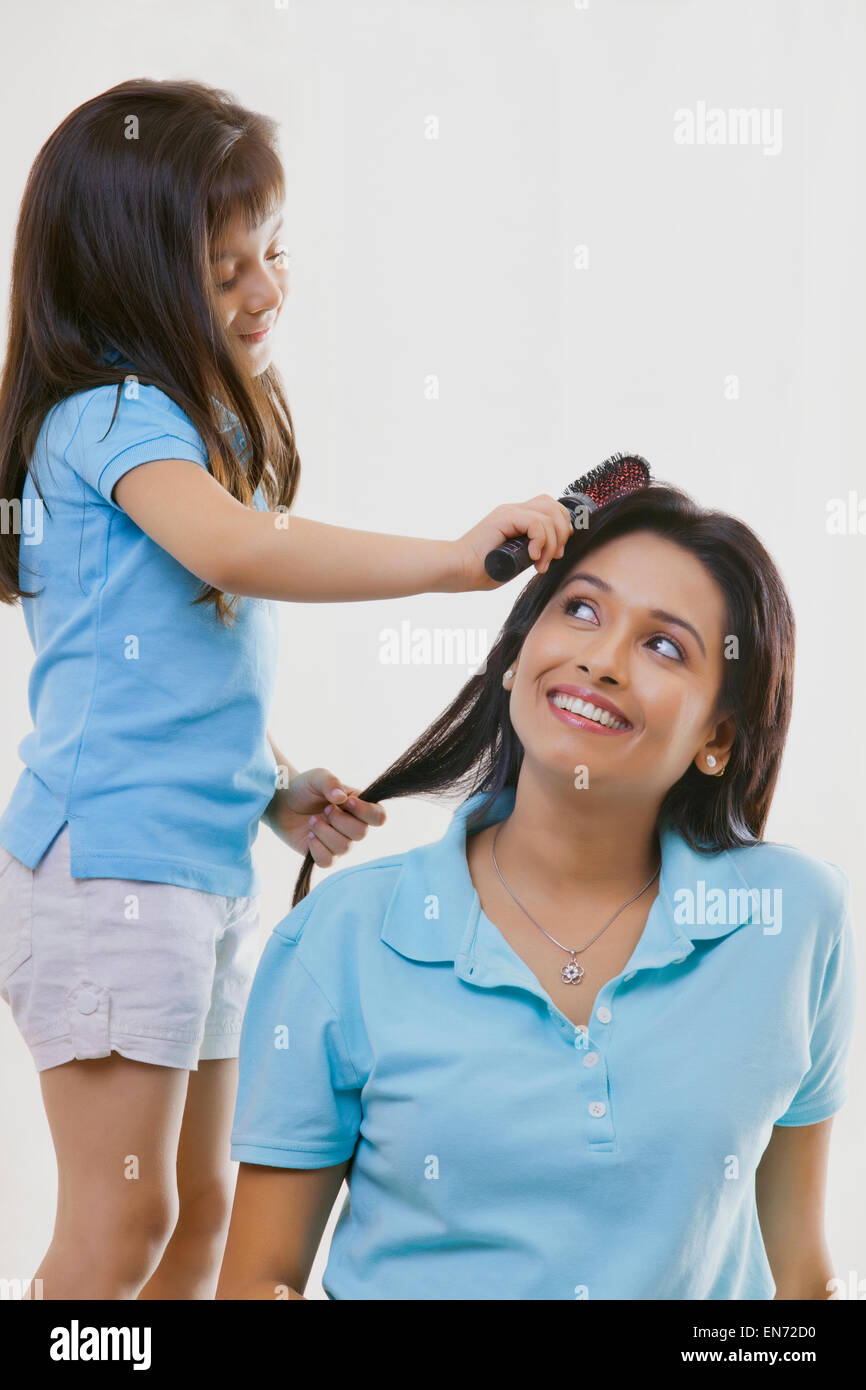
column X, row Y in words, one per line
column 257, row 337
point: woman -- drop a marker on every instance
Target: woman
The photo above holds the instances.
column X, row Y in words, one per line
column 589, row 1043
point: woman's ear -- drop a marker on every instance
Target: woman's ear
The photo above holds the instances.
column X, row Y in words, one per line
column 713, row 757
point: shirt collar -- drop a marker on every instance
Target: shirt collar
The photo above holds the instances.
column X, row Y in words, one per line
column 434, row 912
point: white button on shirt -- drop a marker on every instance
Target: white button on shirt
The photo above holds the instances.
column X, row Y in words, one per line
column 492, row 1157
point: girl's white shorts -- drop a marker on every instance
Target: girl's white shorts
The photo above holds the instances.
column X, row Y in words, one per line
column 91, row 966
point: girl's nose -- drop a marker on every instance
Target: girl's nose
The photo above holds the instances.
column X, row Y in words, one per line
column 264, row 294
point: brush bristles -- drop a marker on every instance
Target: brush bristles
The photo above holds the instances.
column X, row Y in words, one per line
column 617, row 476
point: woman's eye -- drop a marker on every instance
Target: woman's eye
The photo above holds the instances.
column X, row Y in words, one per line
column 227, row 284
column 282, row 253
column 661, row 637
column 571, row 605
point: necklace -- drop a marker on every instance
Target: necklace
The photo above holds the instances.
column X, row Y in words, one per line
column 572, row 972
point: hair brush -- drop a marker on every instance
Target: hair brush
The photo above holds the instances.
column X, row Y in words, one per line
column 615, row 477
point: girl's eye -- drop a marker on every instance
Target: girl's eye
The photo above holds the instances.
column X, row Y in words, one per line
column 281, row 253
column 570, row 605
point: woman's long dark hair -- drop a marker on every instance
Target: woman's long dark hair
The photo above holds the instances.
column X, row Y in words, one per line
column 112, row 251
column 472, row 746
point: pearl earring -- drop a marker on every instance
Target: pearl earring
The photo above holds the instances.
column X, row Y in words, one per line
column 711, row 762
column 509, row 673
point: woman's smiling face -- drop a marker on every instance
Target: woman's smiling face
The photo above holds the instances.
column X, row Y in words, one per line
column 640, row 623
column 251, row 280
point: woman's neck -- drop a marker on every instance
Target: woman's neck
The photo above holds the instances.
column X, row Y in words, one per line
column 578, row 845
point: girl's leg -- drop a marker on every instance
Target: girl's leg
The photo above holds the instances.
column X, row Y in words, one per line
column 191, row 1261
column 115, row 1124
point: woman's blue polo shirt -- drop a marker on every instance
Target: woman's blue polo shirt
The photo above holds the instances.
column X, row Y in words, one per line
column 500, row 1152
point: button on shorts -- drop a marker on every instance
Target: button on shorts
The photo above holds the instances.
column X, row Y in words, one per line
column 90, row 966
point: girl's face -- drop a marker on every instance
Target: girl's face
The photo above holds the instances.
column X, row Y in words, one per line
column 640, row 624
column 251, row 280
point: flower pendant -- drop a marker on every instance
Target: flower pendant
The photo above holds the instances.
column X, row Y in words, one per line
column 572, row 974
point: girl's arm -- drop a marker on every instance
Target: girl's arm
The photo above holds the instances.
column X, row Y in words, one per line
column 281, row 556
column 281, row 759
column 277, row 1222
column 789, row 1188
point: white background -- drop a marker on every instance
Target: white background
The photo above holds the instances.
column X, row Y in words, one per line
column 455, row 257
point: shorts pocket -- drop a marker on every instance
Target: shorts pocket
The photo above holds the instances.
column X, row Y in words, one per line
column 16, row 921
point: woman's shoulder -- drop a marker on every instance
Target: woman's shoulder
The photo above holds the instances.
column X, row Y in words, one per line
column 338, row 924
column 355, row 896
column 791, row 861
column 814, row 887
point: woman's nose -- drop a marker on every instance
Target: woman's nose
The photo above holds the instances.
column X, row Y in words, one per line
column 605, row 656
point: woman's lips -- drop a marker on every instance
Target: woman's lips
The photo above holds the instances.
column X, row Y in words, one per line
column 579, row 721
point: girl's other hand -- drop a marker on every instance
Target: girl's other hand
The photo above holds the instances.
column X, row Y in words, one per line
column 319, row 813
column 543, row 519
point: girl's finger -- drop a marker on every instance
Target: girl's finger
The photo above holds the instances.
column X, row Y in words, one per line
column 321, row 855
column 346, row 823
column 331, row 838
column 559, row 515
column 553, row 539
column 543, row 540
column 564, row 525
column 526, row 520
column 369, row 811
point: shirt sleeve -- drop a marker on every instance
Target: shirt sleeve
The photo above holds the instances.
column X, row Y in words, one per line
column 824, row 1088
column 147, row 426
column 298, row 1103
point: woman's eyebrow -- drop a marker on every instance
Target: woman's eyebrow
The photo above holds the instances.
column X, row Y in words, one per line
column 230, row 255
column 678, row 622
column 659, row 613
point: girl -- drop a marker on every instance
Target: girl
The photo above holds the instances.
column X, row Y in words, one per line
column 149, row 464
column 589, row 1043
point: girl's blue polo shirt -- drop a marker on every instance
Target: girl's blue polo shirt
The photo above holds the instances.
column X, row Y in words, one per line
column 149, row 716
column 498, row 1151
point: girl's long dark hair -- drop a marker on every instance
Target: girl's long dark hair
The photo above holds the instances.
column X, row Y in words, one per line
column 472, row 746
column 112, row 251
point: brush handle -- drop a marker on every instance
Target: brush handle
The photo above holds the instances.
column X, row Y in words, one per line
column 508, row 559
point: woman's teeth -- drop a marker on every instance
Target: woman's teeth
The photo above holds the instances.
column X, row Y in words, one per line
column 587, row 711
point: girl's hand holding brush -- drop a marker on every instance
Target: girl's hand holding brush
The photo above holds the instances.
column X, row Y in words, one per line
column 546, row 522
